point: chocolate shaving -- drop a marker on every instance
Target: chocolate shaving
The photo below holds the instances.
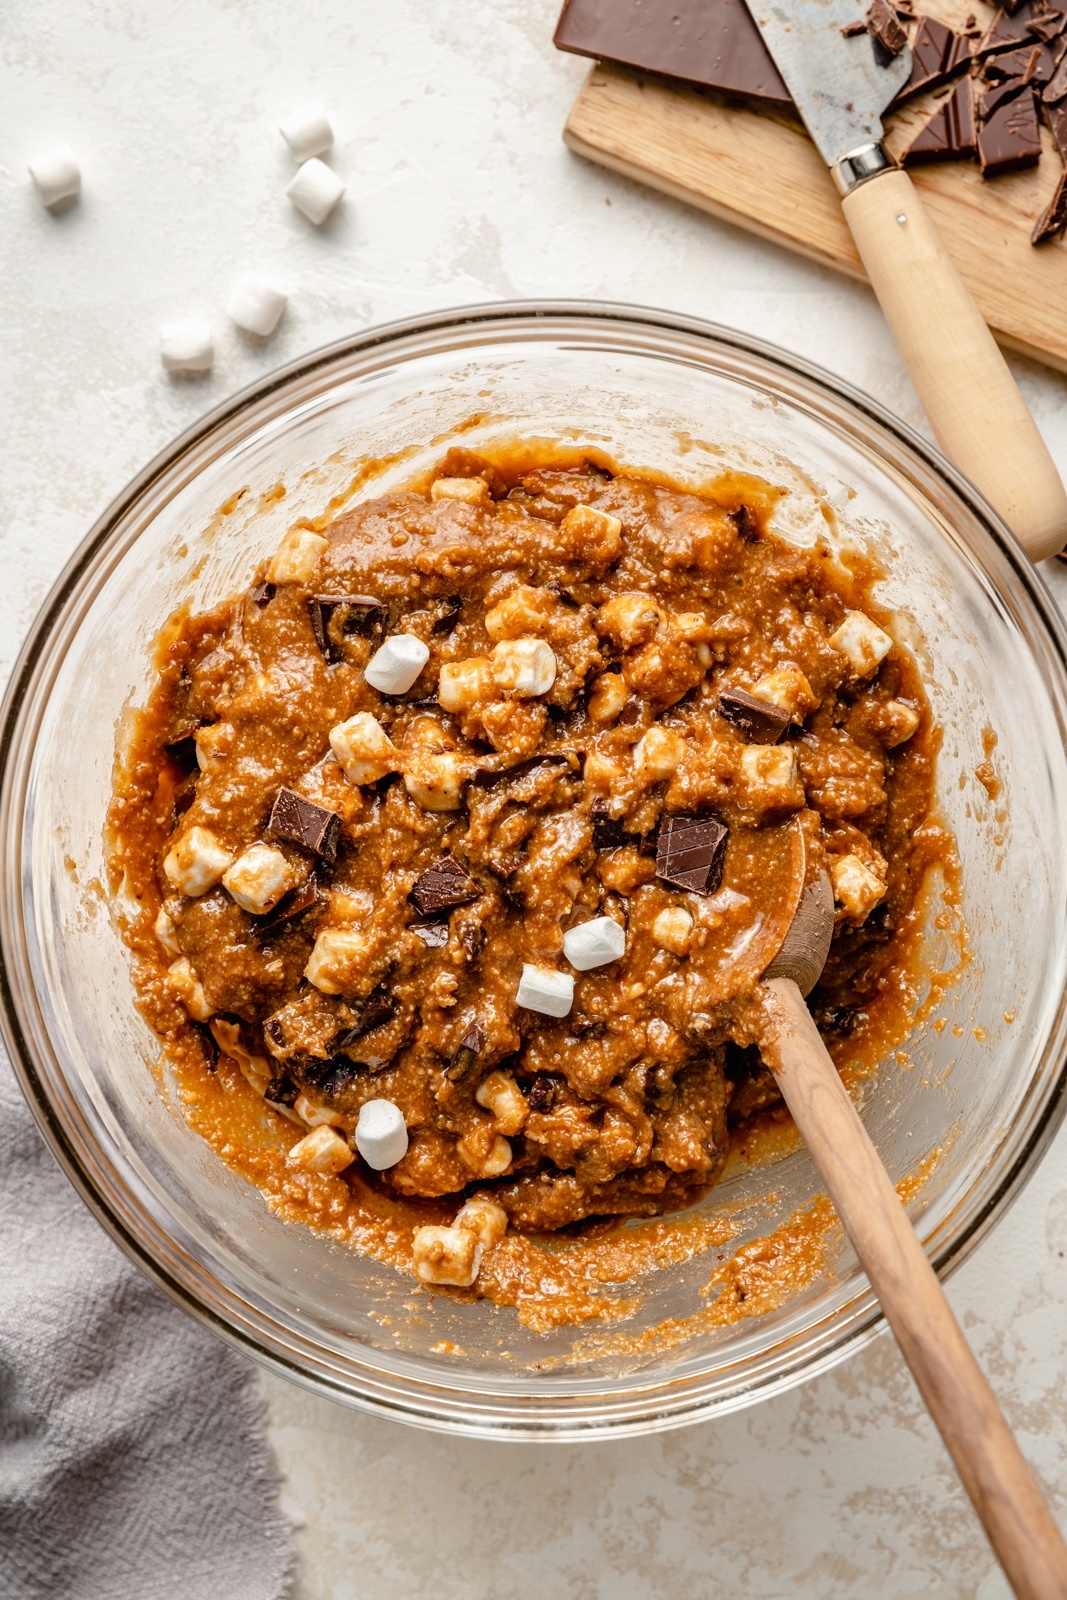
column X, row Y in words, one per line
column 760, row 720
column 1053, row 220
column 262, row 594
column 434, row 935
column 950, row 134
column 306, row 823
column 1047, row 28
column 937, row 54
column 690, row 852
column 335, row 616
column 882, row 25
column 444, row 884
column 291, row 905
column 1009, row 139
column 466, row 1054
column 1056, row 88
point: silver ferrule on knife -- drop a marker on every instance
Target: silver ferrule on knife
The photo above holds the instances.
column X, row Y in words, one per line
column 867, row 161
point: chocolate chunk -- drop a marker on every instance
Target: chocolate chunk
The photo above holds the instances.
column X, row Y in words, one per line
column 467, row 1052
column 1056, row 88
column 1022, row 63
column 273, row 1030
column 715, row 44
column 950, row 134
column 330, row 1076
column 306, row 823
column 443, row 885
column 541, row 1095
column 262, row 594
column 746, row 523
column 282, row 1091
column 587, row 1028
column 1049, row 26
column 852, row 30
column 209, row 1044
column 472, row 937
column 690, row 852
column 761, row 721
column 182, row 751
column 434, row 935
column 376, row 1011
column 452, row 609
column 1053, row 220
column 882, row 25
column 1008, row 139
column 291, row 905
column 1010, row 27
column 489, row 777
column 608, row 831
column 937, row 54
column 335, row 616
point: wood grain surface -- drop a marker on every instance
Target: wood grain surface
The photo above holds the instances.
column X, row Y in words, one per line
column 761, row 171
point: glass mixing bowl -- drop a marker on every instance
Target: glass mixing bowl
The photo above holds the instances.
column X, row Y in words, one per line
column 983, row 1092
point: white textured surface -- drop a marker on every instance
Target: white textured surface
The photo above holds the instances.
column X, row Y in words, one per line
column 447, row 123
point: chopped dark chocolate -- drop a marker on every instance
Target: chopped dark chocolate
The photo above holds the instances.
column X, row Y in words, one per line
column 291, row 905
column 761, row 721
column 690, row 851
column 434, row 935
column 1009, row 139
column 950, row 134
column 608, row 831
column 466, row 1054
column 209, row 1044
column 306, row 823
column 937, row 54
column 884, row 28
column 444, row 884
column 335, row 616
column 182, row 752
column 1022, row 64
column 1053, row 220
column 451, row 610
column 715, row 44
column 330, row 1076
column 489, row 777
column 376, row 1011
column 541, row 1095
column 273, row 1029
column 1010, row 27
column 282, row 1091
column 587, row 1028
column 1056, row 117
column 1048, row 26
column 472, row 937
column 746, row 523
column 852, row 30
column 263, row 594
column 1056, row 88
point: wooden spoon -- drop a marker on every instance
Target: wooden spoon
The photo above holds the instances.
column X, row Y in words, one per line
column 1019, row 1524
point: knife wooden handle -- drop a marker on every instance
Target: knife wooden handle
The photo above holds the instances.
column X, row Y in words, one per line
column 976, row 411
column 1020, row 1526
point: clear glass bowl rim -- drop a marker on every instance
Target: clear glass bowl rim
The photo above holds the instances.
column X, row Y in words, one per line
column 645, row 1408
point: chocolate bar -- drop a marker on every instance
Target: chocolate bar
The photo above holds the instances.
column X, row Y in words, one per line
column 715, row 44
column 690, row 852
column 443, row 886
column 950, row 134
column 305, row 823
column 759, row 720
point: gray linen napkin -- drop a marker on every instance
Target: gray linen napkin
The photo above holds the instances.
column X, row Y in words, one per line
column 134, row 1464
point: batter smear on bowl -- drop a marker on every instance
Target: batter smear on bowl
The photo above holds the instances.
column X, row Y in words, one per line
column 457, row 838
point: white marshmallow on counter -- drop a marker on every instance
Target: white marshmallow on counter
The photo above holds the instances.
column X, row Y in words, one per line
column 57, row 175
column 315, row 190
column 186, row 346
column 594, row 944
column 381, row 1134
column 307, row 131
column 546, row 990
column 256, row 305
column 394, row 668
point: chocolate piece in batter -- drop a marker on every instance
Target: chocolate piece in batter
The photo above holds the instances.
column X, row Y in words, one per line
column 443, row 886
column 761, row 721
column 468, row 1050
column 303, row 822
column 291, row 905
column 690, row 851
column 434, row 935
column 334, row 616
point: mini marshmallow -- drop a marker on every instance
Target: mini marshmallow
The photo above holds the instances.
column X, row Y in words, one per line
column 186, row 346
column 306, row 131
column 190, row 991
column 435, row 782
column 258, row 879
column 525, row 666
column 322, row 1150
column 394, row 668
column 474, row 490
column 546, row 990
column 256, row 305
column 862, row 643
column 673, row 929
column 166, row 931
column 336, row 960
column 658, row 753
column 594, row 944
column 484, row 1218
column 297, row 556
column 446, row 1255
column 56, row 175
column 315, row 190
column 196, row 862
column 500, row 1094
column 364, row 749
column 857, row 889
column 381, row 1134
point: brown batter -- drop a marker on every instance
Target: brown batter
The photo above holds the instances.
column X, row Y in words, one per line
column 595, row 641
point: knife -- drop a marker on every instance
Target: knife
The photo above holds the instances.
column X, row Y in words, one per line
column 841, row 82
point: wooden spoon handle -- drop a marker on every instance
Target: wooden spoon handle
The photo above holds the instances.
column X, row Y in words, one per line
column 968, row 393
column 1006, row 1498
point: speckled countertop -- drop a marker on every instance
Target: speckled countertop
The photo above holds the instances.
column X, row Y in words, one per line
column 448, row 121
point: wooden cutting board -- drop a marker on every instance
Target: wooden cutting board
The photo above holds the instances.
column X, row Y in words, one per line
column 760, row 170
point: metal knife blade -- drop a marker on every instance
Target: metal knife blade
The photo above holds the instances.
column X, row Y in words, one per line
column 838, row 83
